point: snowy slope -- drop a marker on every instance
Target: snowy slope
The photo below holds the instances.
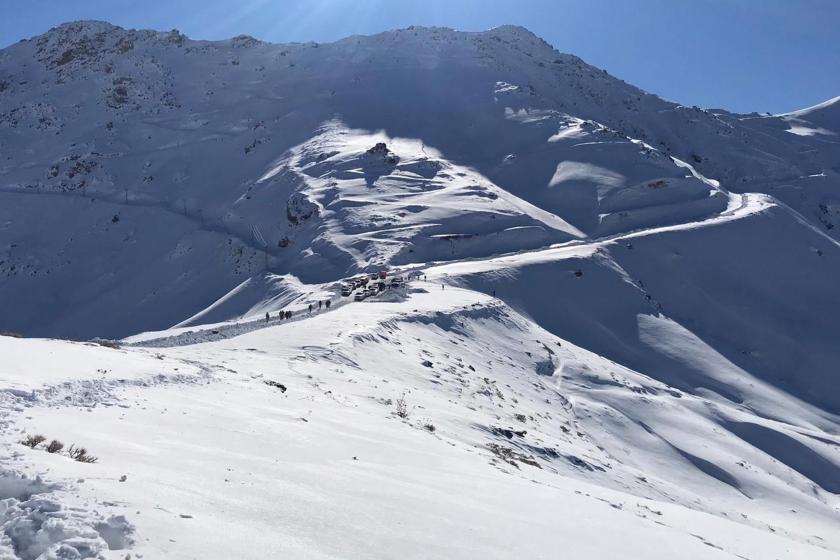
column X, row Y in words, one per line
column 514, row 438
column 620, row 339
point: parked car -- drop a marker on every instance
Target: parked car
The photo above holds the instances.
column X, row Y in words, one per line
column 346, row 290
column 360, row 296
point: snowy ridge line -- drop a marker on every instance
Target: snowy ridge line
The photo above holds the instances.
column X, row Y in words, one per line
column 714, row 183
column 747, row 204
column 227, row 330
column 804, row 221
column 222, row 331
column 741, row 206
column 801, row 112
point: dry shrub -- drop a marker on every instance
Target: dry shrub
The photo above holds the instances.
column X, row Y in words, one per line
column 401, row 407
column 80, row 454
column 33, row 441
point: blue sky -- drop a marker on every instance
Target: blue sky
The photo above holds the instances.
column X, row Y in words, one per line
column 742, row 55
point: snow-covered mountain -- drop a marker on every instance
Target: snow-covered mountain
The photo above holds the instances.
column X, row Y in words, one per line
column 621, row 328
column 217, row 161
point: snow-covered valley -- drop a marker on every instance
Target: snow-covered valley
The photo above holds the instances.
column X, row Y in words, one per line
column 617, row 338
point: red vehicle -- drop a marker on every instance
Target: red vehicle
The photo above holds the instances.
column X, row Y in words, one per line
column 383, row 274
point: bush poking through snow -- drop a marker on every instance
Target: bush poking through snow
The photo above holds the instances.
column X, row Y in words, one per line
column 33, row 441
column 275, row 384
column 429, row 427
column 80, row 454
column 512, row 457
column 401, row 407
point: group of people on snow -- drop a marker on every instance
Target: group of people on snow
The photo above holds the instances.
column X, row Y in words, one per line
column 281, row 315
column 322, row 304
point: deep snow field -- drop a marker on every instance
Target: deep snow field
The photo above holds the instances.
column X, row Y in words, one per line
column 516, row 443
column 619, row 338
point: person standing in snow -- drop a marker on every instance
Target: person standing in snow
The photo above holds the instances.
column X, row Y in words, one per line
column 266, row 316
column 310, row 309
column 320, row 303
column 328, row 303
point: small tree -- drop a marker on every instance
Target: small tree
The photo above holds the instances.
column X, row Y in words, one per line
column 54, row 446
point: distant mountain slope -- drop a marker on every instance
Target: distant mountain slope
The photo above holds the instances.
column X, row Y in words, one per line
column 146, row 175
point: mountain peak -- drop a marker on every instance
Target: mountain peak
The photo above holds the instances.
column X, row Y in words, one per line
column 84, row 27
column 514, row 30
column 81, row 31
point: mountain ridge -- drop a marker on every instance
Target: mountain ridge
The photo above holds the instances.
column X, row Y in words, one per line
column 162, row 123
